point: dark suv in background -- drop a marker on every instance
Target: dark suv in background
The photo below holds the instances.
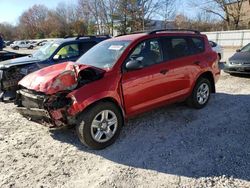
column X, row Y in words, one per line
column 61, row 50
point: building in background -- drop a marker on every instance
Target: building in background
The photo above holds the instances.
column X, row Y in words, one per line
column 149, row 26
column 244, row 15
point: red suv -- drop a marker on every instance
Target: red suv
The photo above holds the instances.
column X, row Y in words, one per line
column 120, row 78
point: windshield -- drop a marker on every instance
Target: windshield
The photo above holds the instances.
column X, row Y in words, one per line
column 105, row 54
column 46, row 51
column 246, row 48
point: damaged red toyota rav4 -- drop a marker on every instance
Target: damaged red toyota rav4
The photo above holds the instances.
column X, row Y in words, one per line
column 120, row 78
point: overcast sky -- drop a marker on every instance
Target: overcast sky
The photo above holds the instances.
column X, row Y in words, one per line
column 10, row 10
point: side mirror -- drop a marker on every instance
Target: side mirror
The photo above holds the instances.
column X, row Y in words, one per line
column 134, row 65
column 238, row 50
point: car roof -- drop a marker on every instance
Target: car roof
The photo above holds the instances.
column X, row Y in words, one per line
column 81, row 39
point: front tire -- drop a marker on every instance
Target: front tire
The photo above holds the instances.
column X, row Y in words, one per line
column 100, row 125
column 201, row 94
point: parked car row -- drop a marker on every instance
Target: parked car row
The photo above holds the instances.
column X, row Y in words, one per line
column 22, row 44
column 16, row 45
column 114, row 80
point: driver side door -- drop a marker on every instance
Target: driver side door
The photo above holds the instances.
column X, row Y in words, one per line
column 145, row 88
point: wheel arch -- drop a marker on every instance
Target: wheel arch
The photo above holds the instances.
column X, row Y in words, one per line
column 107, row 99
column 209, row 75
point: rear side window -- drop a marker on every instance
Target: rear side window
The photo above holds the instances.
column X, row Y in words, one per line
column 198, row 45
column 85, row 46
column 178, row 48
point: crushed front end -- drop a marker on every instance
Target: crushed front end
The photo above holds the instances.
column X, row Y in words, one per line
column 44, row 95
column 50, row 110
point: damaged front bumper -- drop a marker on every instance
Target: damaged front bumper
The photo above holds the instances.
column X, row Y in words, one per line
column 48, row 110
column 34, row 113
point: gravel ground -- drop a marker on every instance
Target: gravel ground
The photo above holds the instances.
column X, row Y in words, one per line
column 174, row 146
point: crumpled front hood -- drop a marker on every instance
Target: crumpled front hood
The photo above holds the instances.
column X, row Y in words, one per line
column 55, row 78
column 18, row 61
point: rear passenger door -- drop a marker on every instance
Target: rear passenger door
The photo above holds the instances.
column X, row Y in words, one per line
column 182, row 58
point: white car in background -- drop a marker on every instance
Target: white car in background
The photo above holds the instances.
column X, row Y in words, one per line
column 22, row 44
column 217, row 48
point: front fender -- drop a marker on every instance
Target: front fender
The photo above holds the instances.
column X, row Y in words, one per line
column 107, row 87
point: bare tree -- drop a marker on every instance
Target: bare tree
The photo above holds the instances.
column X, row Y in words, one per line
column 8, row 31
column 167, row 10
column 32, row 20
column 230, row 11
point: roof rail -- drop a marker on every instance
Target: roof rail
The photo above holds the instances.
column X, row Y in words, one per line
column 67, row 36
column 172, row 30
column 135, row 32
column 92, row 36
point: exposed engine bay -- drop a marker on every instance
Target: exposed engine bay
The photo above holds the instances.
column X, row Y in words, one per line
column 9, row 79
column 51, row 109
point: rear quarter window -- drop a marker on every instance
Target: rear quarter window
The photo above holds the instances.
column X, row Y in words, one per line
column 85, row 46
column 197, row 45
column 178, row 48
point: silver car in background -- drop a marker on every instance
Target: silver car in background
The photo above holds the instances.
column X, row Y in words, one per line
column 217, row 48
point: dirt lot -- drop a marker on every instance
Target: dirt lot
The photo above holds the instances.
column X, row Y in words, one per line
column 170, row 147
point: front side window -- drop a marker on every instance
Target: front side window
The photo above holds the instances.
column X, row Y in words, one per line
column 68, row 51
column 105, row 54
column 148, row 53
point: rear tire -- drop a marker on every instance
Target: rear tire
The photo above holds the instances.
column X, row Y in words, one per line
column 16, row 48
column 200, row 94
column 99, row 126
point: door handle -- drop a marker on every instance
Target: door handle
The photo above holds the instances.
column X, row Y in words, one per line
column 164, row 71
column 197, row 62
